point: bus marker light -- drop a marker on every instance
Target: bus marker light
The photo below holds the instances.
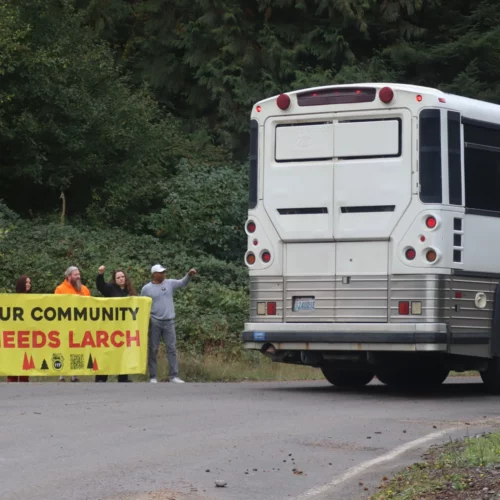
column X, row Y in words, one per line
column 404, row 308
column 419, row 98
column 431, row 255
column 251, row 227
column 271, row 308
column 416, row 308
column 261, row 308
column 266, row 257
column 255, row 242
column 458, row 295
column 258, row 109
column 442, row 99
column 431, row 222
column 422, row 238
column 250, row 259
column 410, row 254
column 283, row 101
column 386, row 95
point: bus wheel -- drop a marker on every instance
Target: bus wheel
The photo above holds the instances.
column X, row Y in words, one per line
column 491, row 376
column 413, row 377
column 348, row 379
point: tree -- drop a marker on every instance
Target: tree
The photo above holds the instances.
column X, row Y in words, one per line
column 205, row 211
column 70, row 122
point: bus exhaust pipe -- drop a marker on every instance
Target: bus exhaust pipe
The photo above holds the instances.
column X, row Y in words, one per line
column 268, row 350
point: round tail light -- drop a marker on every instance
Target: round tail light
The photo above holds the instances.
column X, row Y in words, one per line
column 431, row 255
column 410, row 253
column 283, row 101
column 251, row 227
column 386, row 95
column 250, row 259
column 431, row 222
column 266, row 257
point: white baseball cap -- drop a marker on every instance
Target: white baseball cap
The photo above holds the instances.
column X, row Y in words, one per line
column 157, row 268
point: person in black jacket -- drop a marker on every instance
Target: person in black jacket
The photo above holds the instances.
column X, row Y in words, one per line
column 119, row 286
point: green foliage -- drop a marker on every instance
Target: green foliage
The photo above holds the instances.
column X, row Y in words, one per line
column 205, row 210
column 211, row 311
column 69, row 120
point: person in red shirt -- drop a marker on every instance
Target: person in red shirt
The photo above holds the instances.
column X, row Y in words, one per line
column 72, row 285
column 23, row 285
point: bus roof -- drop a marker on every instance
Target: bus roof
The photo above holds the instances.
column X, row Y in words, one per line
column 473, row 108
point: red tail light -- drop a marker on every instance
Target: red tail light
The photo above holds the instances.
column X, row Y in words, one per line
column 283, row 101
column 431, row 222
column 404, row 308
column 410, row 254
column 266, row 257
column 251, row 227
column 386, row 95
column 271, row 308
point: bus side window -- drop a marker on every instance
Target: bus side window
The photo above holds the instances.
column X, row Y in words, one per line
column 254, row 163
column 454, row 158
column 482, row 165
column 430, row 156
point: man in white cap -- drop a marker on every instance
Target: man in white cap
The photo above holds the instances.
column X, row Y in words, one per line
column 162, row 320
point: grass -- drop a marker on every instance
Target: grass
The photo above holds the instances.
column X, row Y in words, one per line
column 464, row 469
column 220, row 368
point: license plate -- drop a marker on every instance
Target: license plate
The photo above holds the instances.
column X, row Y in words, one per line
column 304, row 304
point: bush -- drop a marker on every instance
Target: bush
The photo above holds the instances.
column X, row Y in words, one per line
column 210, row 312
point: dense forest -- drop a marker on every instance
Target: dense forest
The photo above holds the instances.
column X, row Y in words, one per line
column 124, row 124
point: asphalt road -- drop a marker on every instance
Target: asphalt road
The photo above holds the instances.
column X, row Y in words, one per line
column 141, row 441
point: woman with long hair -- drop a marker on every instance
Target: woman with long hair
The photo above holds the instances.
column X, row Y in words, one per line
column 119, row 286
column 23, row 285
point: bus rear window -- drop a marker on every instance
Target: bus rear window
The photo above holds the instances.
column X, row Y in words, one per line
column 346, row 95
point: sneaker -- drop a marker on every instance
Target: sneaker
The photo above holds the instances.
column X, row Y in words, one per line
column 153, row 381
column 177, row 380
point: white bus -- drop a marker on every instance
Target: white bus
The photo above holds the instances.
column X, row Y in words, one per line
column 374, row 234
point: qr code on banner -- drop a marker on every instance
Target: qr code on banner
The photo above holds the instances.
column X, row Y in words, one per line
column 76, row 361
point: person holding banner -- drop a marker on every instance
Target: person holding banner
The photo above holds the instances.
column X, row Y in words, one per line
column 23, row 285
column 119, row 286
column 72, row 285
column 162, row 320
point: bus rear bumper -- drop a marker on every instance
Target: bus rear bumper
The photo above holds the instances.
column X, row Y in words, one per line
column 347, row 336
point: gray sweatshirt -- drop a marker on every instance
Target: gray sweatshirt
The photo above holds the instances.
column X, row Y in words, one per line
column 162, row 294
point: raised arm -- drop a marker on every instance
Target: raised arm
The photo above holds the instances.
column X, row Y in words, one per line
column 100, row 284
column 184, row 281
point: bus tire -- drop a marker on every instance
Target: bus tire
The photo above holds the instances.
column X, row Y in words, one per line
column 491, row 376
column 347, row 379
column 414, row 378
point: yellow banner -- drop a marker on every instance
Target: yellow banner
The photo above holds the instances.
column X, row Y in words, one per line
column 46, row 335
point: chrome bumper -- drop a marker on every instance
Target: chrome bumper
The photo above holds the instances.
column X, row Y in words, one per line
column 347, row 336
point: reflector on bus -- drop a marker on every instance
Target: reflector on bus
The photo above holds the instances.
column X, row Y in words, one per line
column 344, row 95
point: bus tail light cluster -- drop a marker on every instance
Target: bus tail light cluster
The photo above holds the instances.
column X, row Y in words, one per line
column 405, row 308
column 268, row 308
column 251, row 259
column 251, row 227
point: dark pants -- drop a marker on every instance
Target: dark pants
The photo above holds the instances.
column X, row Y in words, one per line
column 104, row 378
